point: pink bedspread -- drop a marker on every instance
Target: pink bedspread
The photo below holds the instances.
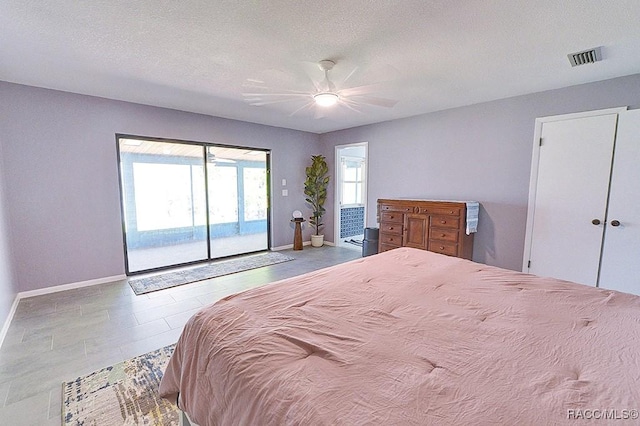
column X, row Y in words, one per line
column 410, row 337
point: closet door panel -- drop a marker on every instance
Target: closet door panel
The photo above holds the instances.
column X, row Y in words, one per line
column 620, row 268
column 573, row 181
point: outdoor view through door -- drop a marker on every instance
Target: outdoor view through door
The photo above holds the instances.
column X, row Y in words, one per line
column 171, row 191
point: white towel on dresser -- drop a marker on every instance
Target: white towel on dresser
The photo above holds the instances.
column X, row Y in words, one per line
column 473, row 207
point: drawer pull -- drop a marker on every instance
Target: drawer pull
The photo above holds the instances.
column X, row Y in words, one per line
column 441, row 247
column 391, row 228
column 443, row 235
column 443, row 222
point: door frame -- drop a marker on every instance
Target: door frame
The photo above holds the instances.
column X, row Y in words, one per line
column 535, row 160
column 338, row 187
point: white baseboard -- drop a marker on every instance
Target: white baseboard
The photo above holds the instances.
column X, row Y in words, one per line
column 48, row 290
column 7, row 322
column 289, row 246
column 304, row 243
column 71, row 286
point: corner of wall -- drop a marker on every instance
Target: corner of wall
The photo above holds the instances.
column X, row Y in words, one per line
column 8, row 294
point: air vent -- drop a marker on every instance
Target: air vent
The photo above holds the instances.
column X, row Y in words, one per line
column 586, row 57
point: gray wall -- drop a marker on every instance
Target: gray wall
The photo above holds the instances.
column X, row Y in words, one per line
column 7, row 290
column 480, row 152
column 61, row 197
column 61, row 180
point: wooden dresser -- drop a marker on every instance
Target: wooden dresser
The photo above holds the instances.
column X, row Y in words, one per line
column 438, row 226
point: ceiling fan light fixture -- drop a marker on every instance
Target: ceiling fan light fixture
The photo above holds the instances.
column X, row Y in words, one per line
column 326, row 99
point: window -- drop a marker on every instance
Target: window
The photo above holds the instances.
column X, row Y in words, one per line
column 255, row 193
column 352, row 181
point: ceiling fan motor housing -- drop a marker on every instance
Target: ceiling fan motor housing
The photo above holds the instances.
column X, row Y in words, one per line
column 326, row 65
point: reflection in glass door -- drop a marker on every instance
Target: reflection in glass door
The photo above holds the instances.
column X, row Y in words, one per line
column 166, row 188
column 237, row 183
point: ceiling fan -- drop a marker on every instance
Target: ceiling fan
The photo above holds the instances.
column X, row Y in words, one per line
column 322, row 95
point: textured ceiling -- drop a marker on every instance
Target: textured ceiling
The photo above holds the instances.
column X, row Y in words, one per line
column 199, row 56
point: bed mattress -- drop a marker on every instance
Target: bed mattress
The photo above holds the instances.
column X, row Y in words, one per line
column 410, row 337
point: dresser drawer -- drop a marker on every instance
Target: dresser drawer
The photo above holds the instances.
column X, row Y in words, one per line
column 440, row 211
column 391, row 239
column 387, row 247
column 450, row 249
column 445, row 222
column 391, row 228
column 395, row 217
column 394, row 208
column 443, row 234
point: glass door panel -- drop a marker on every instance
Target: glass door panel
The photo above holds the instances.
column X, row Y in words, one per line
column 164, row 203
column 237, row 183
column 190, row 202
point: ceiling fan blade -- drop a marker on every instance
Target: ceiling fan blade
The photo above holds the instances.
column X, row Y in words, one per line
column 376, row 101
column 255, row 84
column 256, row 87
column 314, row 74
column 308, row 105
column 319, row 113
column 291, row 94
column 350, row 105
column 344, row 81
column 263, row 102
column 361, row 90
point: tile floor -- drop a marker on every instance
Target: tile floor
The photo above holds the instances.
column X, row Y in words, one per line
column 60, row 336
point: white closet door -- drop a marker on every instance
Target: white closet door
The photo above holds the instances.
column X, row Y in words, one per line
column 620, row 268
column 573, row 181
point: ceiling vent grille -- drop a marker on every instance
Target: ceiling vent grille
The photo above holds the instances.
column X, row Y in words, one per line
column 586, row 57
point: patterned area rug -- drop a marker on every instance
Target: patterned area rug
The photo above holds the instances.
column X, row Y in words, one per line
column 173, row 279
column 123, row 394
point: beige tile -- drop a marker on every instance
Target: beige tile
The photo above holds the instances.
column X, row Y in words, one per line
column 4, row 391
column 32, row 384
column 14, row 335
column 208, row 287
column 149, row 344
column 211, row 298
column 132, row 334
column 22, row 358
column 28, row 412
column 179, row 320
column 55, row 404
column 122, row 319
column 163, row 311
column 60, row 336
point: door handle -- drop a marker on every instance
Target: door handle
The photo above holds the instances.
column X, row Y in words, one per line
column 596, row 221
column 615, row 223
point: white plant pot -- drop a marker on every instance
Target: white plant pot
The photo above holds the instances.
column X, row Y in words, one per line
column 317, row 240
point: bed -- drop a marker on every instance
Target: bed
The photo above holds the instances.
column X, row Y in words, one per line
column 410, row 337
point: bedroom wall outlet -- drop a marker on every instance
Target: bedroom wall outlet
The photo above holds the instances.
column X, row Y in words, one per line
column 285, row 192
column 284, row 182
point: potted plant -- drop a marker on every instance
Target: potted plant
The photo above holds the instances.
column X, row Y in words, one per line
column 315, row 188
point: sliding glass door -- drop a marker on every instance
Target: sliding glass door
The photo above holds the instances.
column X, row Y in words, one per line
column 187, row 202
column 237, row 189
